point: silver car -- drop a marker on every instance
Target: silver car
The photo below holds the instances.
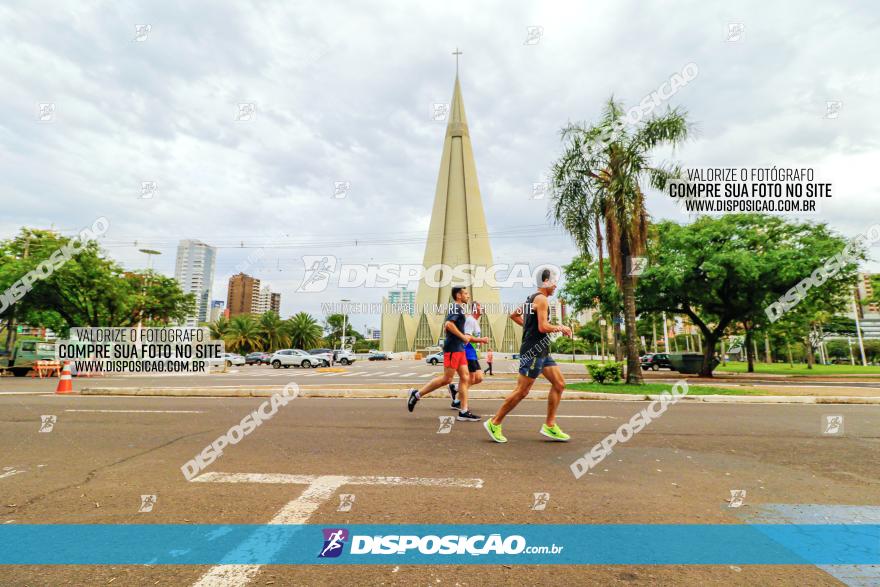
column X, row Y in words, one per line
column 296, row 358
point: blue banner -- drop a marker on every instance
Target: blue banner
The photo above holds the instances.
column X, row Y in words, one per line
column 612, row 544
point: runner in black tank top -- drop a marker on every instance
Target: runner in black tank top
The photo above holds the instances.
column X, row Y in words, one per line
column 535, row 360
column 534, row 341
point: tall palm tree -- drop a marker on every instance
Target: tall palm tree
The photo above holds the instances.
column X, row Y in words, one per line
column 218, row 328
column 304, row 331
column 597, row 186
column 243, row 335
column 273, row 331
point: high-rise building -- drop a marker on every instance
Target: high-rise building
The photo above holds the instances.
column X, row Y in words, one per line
column 217, row 310
column 403, row 296
column 457, row 235
column 267, row 301
column 865, row 290
column 194, row 271
column 243, row 295
column 557, row 310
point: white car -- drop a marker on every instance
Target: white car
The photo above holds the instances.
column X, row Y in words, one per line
column 345, row 357
column 226, row 360
column 297, row 358
column 233, row 359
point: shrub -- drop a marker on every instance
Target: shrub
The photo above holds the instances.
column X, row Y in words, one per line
column 612, row 372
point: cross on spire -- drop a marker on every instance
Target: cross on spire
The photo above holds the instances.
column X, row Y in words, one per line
column 456, row 53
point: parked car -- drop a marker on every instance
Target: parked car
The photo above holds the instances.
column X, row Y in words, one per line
column 257, row 359
column 344, row 357
column 434, row 359
column 655, row 361
column 295, row 358
column 233, row 359
column 325, row 355
column 378, row 356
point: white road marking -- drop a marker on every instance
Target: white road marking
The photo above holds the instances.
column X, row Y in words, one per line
column 320, row 489
column 558, row 416
column 140, row 411
column 23, row 393
column 284, row 478
column 10, row 473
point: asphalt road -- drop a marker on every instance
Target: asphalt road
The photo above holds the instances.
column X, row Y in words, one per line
column 103, row 453
column 405, row 374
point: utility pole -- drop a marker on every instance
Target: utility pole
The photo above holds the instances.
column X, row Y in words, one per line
column 665, row 334
column 11, row 324
column 149, row 253
column 859, row 330
column 344, row 322
column 654, row 332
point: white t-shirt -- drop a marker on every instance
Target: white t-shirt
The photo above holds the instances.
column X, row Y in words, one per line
column 471, row 326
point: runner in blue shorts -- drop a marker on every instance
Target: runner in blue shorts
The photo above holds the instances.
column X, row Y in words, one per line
column 535, row 359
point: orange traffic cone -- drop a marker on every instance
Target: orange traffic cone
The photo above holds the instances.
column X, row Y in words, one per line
column 65, row 384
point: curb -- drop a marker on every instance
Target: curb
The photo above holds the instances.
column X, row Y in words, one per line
column 269, row 390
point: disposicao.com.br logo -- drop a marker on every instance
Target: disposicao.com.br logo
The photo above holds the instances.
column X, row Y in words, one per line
column 431, row 544
column 324, row 270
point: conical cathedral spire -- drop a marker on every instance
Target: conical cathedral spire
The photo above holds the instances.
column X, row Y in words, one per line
column 457, row 237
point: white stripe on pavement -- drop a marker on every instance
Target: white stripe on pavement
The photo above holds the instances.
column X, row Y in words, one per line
column 140, row 411
column 353, row 480
column 320, row 489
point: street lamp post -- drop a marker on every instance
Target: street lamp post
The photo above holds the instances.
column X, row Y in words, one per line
column 149, row 253
column 859, row 330
column 344, row 323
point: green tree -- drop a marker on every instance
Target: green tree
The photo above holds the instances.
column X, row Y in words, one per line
column 243, row 335
column 87, row 289
column 273, row 332
column 599, row 181
column 587, row 286
column 303, row 330
column 726, row 270
column 334, row 323
column 218, row 328
column 158, row 299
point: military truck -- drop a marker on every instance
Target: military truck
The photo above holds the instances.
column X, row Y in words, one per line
column 20, row 361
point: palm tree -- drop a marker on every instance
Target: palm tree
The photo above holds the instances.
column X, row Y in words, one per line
column 597, row 181
column 218, row 329
column 273, row 332
column 243, row 335
column 303, row 330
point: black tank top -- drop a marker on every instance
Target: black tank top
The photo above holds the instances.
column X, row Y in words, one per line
column 534, row 342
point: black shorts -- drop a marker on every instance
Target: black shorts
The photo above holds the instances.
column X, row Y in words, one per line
column 474, row 365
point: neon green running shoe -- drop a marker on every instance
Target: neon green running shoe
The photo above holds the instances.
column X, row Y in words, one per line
column 554, row 433
column 494, row 430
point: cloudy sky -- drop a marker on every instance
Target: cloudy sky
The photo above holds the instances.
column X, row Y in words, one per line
column 344, row 92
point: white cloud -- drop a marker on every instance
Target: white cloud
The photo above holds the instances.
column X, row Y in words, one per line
column 343, row 93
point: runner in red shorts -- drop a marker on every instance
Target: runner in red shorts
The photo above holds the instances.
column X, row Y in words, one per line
column 454, row 358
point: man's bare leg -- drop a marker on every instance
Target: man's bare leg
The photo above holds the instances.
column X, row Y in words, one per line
column 464, row 378
column 557, row 386
column 441, row 380
column 519, row 393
